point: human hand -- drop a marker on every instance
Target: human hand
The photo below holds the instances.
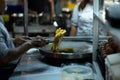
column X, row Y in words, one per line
column 53, row 16
column 38, row 41
column 21, row 39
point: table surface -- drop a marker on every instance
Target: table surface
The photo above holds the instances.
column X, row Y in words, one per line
column 31, row 67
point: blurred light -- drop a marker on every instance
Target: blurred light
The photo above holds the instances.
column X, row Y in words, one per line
column 20, row 15
column 55, row 24
column 14, row 15
column 66, row 9
column 40, row 14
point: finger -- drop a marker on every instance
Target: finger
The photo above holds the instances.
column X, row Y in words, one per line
column 26, row 37
column 40, row 43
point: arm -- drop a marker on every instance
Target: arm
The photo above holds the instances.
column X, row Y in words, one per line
column 20, row 40
column 74, row 20
column 14, row 53
column 73, row 31
column 2, row 5
column 10, row 54
column 52, row 8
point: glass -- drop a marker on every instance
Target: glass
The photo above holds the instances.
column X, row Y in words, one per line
column 77, row 72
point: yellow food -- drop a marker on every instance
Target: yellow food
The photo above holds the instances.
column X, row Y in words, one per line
column 66, row 50
column 58, row 38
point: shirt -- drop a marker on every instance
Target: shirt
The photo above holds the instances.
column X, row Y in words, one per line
column 6, row 42
column 83, row 19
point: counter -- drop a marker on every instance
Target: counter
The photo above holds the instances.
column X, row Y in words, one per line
column 31, row 68
column 34, row 29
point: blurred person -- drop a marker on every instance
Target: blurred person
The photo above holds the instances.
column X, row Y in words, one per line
column 71, row 4
column 11, row 49
column 78, row 0
column 40, row 6
column 57, row 6
column 13, row 6
column 82, row 19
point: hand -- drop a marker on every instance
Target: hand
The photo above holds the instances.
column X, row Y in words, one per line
column 38, row 41
column 53, row 16
column 21, row 39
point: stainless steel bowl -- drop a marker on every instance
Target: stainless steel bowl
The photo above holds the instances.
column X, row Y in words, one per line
column 80, row 50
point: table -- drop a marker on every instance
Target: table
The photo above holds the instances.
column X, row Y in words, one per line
column 31, row 68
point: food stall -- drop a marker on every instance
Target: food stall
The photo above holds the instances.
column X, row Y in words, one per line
column 41, row 63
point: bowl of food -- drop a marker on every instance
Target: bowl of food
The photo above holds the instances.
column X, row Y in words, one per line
column 68, row 50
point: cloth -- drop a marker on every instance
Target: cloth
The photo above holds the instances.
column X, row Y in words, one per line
column 1, row 20
column 5, row 42
column 83, row 19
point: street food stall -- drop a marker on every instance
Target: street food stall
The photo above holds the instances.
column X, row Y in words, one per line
column 75, row 57
column 41, row 63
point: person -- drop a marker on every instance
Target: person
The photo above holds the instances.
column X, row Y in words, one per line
column 13, row 6
column 71, row 4
column 40, row 6
column 82, row 18
column 57, row 7
column 11, row 49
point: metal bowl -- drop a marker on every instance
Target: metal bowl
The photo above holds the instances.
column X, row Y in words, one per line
column 80, row 50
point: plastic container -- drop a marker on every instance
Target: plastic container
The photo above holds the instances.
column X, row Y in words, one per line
column 77, row 72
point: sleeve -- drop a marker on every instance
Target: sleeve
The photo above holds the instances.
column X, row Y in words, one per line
column 3, row 47
column 74, row 17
